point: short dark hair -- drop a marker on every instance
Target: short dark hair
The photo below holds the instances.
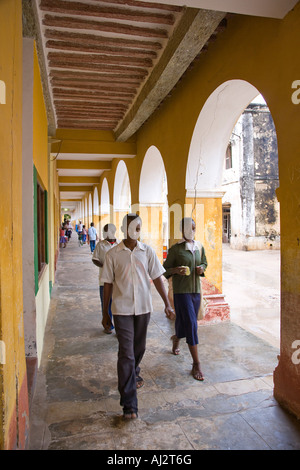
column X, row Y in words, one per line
column 107, row 226
column 129, row 217
column 184, row 220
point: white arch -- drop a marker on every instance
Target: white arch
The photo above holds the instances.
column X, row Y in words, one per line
column 90, row 213
column 153, row 191
column 122, row 193
column 85, row 209
column 153, row 187
column 96, row 202
column 104, row 198
column 212, row 133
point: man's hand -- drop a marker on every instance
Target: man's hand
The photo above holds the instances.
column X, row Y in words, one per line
column 106, row 321
column 180, row 270
column 107, row 292
column 199, row 270
column 97, row 262
column 159, row 285
column 170, row 313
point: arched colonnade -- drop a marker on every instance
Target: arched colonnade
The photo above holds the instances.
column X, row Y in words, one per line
column 191, row 184
column 144, row 189
column 144, row 186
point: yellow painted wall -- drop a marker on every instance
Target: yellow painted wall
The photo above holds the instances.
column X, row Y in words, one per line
column 90, row 141
column 207, row 213
column 53, row 215
column 48, row 178
column 40, row 126
column 13, row 382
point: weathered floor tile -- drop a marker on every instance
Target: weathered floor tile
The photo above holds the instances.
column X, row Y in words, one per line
column 162, row 435
column 279, row 429
column 222, row 432
column 239, row 387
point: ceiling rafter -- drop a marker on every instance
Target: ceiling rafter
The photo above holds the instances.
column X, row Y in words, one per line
column 101, row 53
column 111, row 12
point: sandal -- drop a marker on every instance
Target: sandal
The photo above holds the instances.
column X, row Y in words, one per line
column 175, row 348
column 196, row 372
column 139, row 382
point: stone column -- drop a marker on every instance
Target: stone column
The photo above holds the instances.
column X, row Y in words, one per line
column 287, row 373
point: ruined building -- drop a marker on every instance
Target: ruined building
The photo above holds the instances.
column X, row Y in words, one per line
column 250, row 179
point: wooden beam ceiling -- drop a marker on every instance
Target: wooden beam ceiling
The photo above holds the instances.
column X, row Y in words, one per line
column 101, row 54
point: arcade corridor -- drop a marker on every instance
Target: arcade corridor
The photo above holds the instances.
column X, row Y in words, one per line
column 116, row 106
column 76, row 403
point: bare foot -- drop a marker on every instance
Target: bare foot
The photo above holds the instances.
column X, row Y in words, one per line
column 130, row 414
column 139, row 382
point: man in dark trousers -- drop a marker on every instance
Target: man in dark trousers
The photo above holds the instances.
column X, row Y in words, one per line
column 126, row 272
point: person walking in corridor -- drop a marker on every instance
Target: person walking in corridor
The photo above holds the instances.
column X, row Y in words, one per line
column 69, row 229
column 79, row 227
column 186, row 262
column 63, row 238
column 102, row 247
column 92, row 237
column 126, row 272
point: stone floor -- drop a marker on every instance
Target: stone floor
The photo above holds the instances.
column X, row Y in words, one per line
column 76, row 402
column 251, row 284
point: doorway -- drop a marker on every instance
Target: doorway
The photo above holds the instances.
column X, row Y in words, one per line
column 226, row 230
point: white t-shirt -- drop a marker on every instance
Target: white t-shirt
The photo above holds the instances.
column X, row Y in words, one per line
column 130, row 273
column 102, row 247
column 79, row 227
column 92, row 233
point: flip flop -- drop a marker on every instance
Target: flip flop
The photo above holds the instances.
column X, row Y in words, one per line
column 197, row 374
column 139, row 382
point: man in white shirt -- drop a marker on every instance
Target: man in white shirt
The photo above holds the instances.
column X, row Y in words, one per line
column 69, row 229
column 102, row 247
column 127, row 270
column 79, row 227
column 92, row 237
